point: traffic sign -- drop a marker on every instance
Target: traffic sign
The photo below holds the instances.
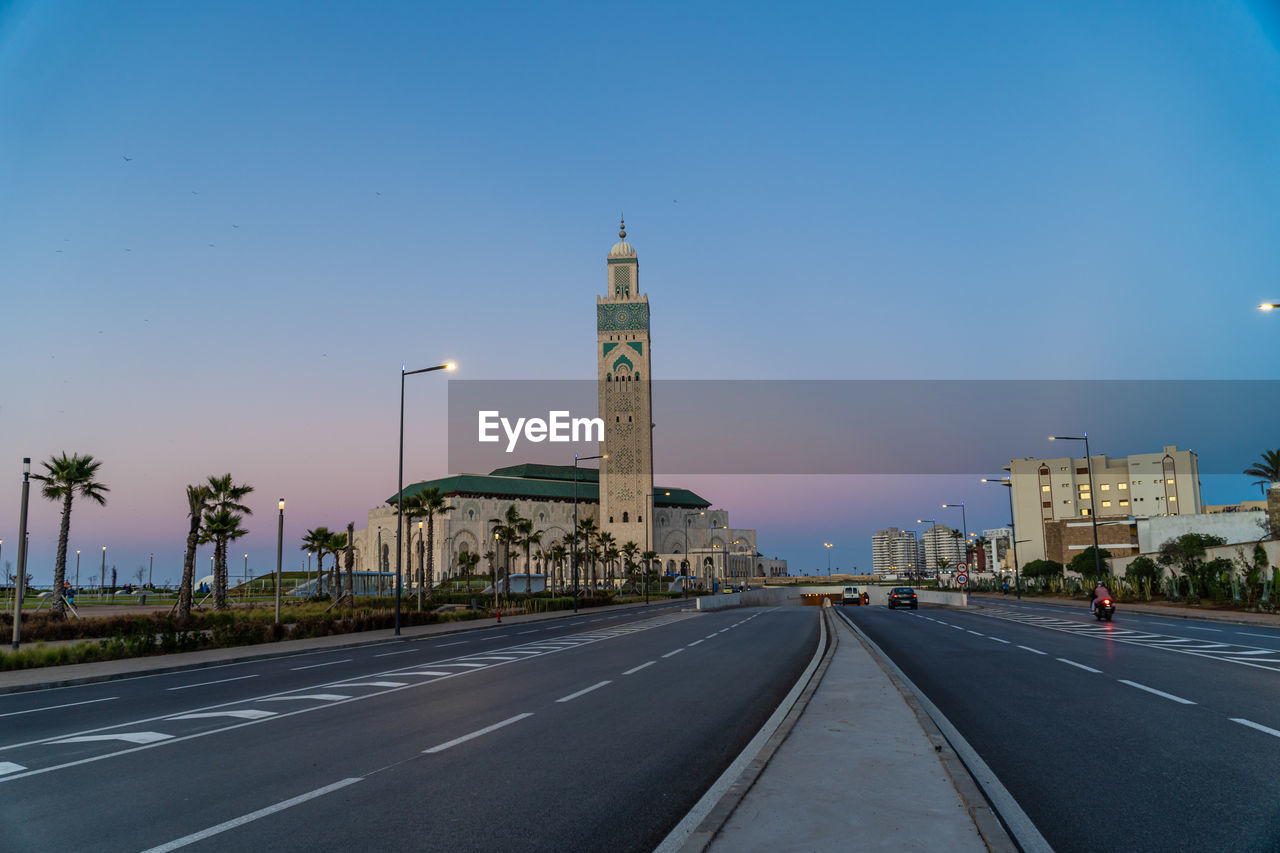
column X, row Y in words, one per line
column 962, row 578
column 960, row 567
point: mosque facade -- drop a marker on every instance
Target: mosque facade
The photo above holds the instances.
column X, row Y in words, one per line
column 689, row 537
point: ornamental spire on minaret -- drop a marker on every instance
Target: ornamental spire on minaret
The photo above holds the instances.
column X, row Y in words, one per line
column 622, row 229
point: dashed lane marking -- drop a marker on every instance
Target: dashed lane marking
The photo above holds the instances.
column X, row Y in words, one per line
column 1080, row 665
column 370, row 684
column 976, row 634
column 998, row 640
column 477, row 733
column 636, row 669
column 695, row 642
column 1152, row 690
column 315, row 665
column 1251, row 724
column 676, row 652
column 319, row 697
column 459, row 643
column 207, row 683
column 1028, row 648
column 55, row 707
column 404, row 652
column 583, row 692
column 252, row 816
column 432, row 672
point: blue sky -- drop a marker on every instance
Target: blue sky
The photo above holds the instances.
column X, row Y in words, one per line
column 317, row 193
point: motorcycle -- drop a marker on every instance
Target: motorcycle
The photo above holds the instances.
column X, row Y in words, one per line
column 1104, row 609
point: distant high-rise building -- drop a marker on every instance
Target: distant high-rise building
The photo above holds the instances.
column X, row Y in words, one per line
column 894, row 551
column 943, row 543
column 998, row 539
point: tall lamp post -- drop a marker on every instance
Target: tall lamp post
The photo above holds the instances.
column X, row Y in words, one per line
column 688, row 519
column 1269, row 306
column 102, row 580
column 279, row 557
column 77, row 570
column 574, row 560
column 1093, row 514
column 22, row 553
column 828, row 546
column 1013, row 533
column 964, row 521
column 400, row 482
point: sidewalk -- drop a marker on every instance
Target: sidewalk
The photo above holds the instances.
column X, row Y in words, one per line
column 859, row 771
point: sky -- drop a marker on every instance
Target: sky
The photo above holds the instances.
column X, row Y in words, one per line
column 224, row 228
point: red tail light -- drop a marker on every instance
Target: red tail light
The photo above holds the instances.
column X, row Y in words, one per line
column 1106, row 602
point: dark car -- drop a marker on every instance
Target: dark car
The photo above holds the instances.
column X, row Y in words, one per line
column 903, row 596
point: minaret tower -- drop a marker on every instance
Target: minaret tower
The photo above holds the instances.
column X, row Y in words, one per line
column 622, row 356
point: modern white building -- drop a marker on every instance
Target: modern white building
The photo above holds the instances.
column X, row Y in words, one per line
column 997, row 547
column 894, row 551
column 942, row 543
column 1059, row 489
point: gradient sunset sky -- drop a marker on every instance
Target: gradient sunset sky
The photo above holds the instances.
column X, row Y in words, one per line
column 225, row 226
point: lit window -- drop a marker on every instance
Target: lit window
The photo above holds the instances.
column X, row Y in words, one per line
column 1106, row 487
column 1122, row 486
column 1044, row 488
column 1173, row 497
column 1084, row 510
column 1124, row 503
column 1106, row 503
column 1169, row 481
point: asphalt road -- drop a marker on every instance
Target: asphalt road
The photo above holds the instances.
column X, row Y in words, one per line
column 1142, row 734
column 593, row 733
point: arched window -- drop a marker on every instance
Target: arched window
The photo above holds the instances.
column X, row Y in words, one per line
column 611, row 519
column 624, row 518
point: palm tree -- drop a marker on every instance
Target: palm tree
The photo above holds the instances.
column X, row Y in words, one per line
column 197, row 500
column 629, row 551
column 509, row 534
column 317, row 541
column 648, row 557
column 1267, row 469
column 610, row 555
column 433, row 503
column 64, row 477
column 528, row 538
column 337, row 545
column 468, row 560
column 557, row 553
column 351, row 563
column 605, row 540
column 221, row 526
column 224, row 494
column 492, row 559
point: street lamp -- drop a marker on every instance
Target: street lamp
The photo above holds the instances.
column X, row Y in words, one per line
column 279, row 557
column 1013, row 534
column 22, row 553
column 400, row 481
column 688, row 563
column 576, row 460
column 1093, row 514
column 933, row 522
column 102, row 579
column 828, row 546
column 1269, row 306
column 77, row 570
column 964, row 521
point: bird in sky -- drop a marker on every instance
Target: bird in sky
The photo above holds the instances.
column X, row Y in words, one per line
column 127, row 159
column 235, row 226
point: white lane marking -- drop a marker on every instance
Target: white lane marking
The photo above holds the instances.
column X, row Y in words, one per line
column 1268, row 636
column 467, row 665
column 1214, row 630
column 1166, row 624
column 998, row 640
column 1178, row 699
column 248, row 714
column 1251, row 724
column 1080, row 665
column 958, row 628
column 636, row 669
column 427, row 672
column 1255, row 652
column 207, row 683
column 52, row 707
column 533, row 631
column 493, row 657
column 323, row 697
column 695, row 642
column 404, row 652
column 251, row 816
column 722, row 631
column 976, row 634
column 370, row 684
column 1028, row 648
column 314, row 665
column 676, row 652
column 711, row 636
column 583, row 692
column 451, row 743
column 131, row 737
column 10, row 767
column 459, row 643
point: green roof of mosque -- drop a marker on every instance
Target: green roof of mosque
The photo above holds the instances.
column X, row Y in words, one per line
column 545, row 482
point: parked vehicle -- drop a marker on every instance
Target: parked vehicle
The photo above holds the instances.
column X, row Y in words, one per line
column 903, row 596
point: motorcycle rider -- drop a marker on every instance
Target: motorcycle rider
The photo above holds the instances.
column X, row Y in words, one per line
column 1099, row 593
